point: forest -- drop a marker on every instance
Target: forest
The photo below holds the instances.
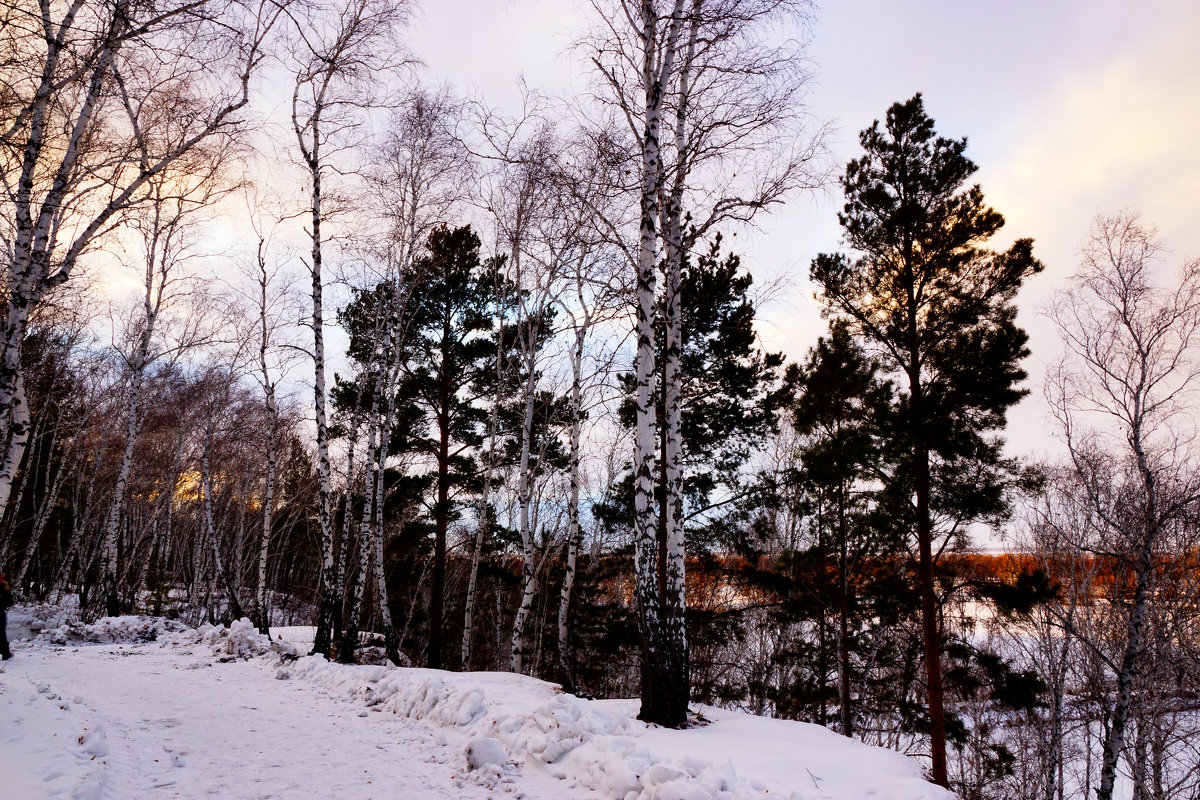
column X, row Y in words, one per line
column 295, row 332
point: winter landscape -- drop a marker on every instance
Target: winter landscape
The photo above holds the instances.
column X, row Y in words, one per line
column 630, row 399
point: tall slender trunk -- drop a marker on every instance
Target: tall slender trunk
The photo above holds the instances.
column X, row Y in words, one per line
column 329, row 604
column 484, row 526
column 664, row 697
column 391, row 640
column 116, row 510
column 524, row 496
column 261, row 613
column 844, row 679
column 1114, row 737
column 347, row 516
column 1130, row 660
column 441, row 515
column 390, row 365
column 930, row 627
column 349, row 639
column 574, row 530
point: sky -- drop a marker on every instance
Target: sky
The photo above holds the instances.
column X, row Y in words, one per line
column 1071, row 108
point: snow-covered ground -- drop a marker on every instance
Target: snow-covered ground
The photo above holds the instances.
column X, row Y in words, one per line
column 225, row 713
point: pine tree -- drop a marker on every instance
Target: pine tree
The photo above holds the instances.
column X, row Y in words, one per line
column 448, row 374
column 843, row 410
column 923, row 289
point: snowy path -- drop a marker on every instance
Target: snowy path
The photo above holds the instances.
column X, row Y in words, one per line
column 180, row 725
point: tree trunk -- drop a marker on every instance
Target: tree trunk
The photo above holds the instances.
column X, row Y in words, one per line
column 484, row 527
column 930, row 628
column 261, row 614
column 1114, row 738
column 574, row 530
column 441, row 524
column 117, row 506
column 844, row 679
column 329, row 604
column 524, row 494
column 349, row 640
column 664, row 668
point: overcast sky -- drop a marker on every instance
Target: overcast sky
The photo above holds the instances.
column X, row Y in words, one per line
column 1071, row 107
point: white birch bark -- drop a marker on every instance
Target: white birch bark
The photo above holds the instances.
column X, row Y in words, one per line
column 364, row 562
column 308, row 134
column 657, row 61
column 391, row 370
column 524, row 495
column 674, row 600
column 574, row 529
column 261, row 611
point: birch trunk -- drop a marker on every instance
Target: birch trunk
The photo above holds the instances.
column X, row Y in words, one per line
column 660, row 690
column 391, row 640
column 524, row 495
column 574, row 530
column 1114, row 737
column 329, row 603
column 349, row 639
column 346, row 515
column 261, row 613
column 12, row 398
column 133, row 426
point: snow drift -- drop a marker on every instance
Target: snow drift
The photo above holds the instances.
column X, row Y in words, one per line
column 601, row 746
column 510, row 728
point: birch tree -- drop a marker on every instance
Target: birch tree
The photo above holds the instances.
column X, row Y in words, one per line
column 346, row 52
column 167, row 230
column 102, row 97
column 699, row 92
column 270, row 295
column 1124, row 398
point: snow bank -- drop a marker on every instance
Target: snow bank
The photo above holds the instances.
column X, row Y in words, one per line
column 501, row 726
column 28, row 620
column 111, row 630
column 46, row 750
column 239, row 641
column 604, row 748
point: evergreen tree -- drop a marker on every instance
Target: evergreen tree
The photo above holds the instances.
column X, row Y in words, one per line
column 923, row 289
column 447, row 375
column 842, row 411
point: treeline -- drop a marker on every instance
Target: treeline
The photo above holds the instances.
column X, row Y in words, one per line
column 474, row 391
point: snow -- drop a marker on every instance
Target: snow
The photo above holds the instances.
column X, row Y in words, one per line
column 161, row 711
